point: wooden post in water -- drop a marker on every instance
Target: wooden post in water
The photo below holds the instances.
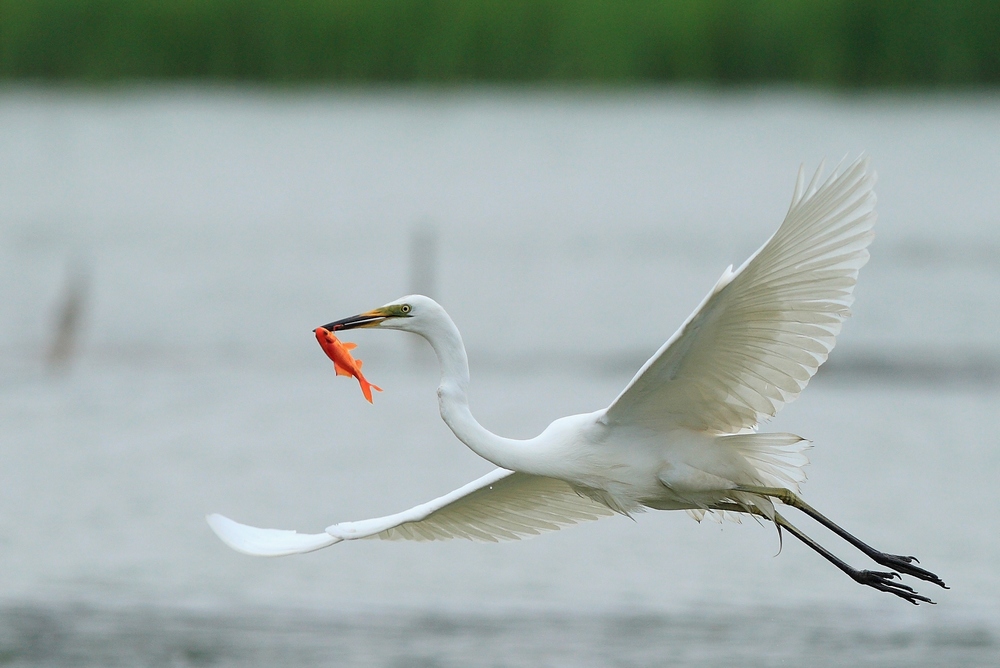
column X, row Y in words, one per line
column 68, row 317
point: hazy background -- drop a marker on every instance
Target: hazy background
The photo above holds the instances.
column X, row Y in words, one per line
column 190, row 204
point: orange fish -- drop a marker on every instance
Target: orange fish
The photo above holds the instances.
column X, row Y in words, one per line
column 343, row 362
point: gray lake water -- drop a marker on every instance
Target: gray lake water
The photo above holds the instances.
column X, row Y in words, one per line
column 208, row 231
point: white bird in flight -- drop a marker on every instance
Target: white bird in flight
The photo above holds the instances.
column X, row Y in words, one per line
column 683, row 434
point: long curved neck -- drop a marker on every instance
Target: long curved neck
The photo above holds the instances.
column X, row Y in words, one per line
column 453, row 402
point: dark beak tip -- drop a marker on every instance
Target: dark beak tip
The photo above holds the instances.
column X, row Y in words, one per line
column 361, row 320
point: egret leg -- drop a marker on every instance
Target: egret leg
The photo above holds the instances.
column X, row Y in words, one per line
column 883, row 581
column 905, row 565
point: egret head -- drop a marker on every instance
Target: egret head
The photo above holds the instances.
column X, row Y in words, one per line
column 413, row 313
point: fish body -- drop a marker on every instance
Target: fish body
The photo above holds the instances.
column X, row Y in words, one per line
column 343, row 362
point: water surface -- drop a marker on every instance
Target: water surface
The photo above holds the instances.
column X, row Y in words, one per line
column 575, row 230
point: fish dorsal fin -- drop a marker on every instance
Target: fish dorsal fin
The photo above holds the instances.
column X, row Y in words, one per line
column 349, row 346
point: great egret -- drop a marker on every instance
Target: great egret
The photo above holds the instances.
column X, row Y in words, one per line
column 682, row 435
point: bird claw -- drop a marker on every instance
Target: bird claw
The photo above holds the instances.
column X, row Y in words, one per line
column 884, row 581
column 905, row 566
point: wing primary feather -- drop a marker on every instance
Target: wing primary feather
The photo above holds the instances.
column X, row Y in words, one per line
column 266, row 542
column 501, row 505
column 756, row 340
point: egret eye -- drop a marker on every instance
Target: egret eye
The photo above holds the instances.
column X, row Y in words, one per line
column 405, row 308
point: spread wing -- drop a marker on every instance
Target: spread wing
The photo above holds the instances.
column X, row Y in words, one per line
column 763, row 331
column 501, row 505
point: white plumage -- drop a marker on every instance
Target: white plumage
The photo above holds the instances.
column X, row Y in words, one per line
column 681, row 436
column 501, row 505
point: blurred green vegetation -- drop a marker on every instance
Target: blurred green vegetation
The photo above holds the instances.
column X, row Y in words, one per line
column 851, row 43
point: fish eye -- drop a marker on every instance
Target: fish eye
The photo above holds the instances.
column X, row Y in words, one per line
column 405, row 308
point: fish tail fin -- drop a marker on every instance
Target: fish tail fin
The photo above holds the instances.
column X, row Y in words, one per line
column 366, row 389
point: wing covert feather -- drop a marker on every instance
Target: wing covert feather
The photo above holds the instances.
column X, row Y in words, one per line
column 756, row 340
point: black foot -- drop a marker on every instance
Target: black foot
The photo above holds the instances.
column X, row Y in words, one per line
column 887, row 582
column 905, row 565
